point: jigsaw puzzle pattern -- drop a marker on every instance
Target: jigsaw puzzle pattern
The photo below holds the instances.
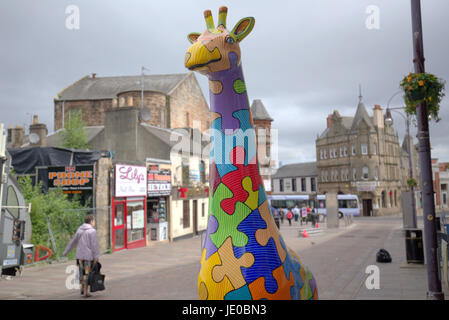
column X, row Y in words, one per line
column 243, row 255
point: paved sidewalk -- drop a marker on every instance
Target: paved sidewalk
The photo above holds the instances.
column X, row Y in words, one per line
column 337, row 257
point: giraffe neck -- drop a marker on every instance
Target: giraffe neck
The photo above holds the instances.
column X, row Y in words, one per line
column 228, row 94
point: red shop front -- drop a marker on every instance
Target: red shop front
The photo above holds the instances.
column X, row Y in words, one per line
column 129, row 220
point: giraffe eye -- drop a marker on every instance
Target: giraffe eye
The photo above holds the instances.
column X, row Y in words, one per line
column 229, row 39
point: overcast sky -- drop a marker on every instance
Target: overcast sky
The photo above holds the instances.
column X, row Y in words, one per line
column 304, row 59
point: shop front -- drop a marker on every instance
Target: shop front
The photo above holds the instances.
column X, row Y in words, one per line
column 129, row 219
column 158, row 199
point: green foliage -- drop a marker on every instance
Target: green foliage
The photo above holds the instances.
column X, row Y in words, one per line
column 64, row 216
column 74, row 135
column 423, row 88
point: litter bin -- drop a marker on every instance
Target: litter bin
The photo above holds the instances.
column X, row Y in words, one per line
column 414, row 246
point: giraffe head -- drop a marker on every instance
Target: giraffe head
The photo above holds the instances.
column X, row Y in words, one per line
column 210, row 51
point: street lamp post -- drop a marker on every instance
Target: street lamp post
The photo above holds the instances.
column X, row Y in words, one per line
column 410, row 163
column 434, row 291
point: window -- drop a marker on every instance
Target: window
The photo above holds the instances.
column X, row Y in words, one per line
column 347, row 174
column 353, row 150
column 354, row 174
column 281, row 185
column 313, row 184
column 293, row 184
column 365, row 173
column 130, row 101
column 376, row 173
column 186, row 213
column 321, row 154
column 374, row 148
column 331, row 154
column 345, row 151
column 325, row 153
column 303, row 184
column 341, row 152
column 185, row 171
column 342, row 173
column 364, row 148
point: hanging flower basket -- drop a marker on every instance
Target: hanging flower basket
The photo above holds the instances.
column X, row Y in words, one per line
column 412, row 182
column 423, row 87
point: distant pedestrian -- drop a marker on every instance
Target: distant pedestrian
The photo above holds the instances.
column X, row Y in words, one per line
column 276, row 216
column 304, row 215
column 296, row 212
column 87, row 251
column 289, row 217
column 283, row 212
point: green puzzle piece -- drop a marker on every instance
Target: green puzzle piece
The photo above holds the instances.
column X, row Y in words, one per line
column 228, row 223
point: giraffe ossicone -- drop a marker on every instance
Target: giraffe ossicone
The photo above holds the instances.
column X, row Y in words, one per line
column 243, row 255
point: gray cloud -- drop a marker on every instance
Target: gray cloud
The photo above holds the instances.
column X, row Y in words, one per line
column 303, row 59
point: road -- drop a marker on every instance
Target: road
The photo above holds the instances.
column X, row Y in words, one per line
column 337, row 258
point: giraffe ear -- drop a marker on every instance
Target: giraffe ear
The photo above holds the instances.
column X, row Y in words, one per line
column 193, row 37
column 243, row 28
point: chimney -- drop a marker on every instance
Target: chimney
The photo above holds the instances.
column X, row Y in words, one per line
column 38, row 133
column 378, row 118
column 17, row 135
column 329, row 120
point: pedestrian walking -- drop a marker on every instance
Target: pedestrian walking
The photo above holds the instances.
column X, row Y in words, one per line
column 289, row 217
column 283, row 212
column 304, row 215
column 276, row 216
column 87, row 251
column 296, row 213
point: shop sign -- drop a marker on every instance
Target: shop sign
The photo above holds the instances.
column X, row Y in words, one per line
column 366, row 186
column 72, row 180
column 130, row 181
column 158, row 179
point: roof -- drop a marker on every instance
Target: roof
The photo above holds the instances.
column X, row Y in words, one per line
column 55, row 139
column 259, row 112
column 362, row 115
column 88, row 88
column 303, row 169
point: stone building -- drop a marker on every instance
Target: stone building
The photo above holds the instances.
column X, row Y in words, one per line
column 440, row 172
column 262, row 126
column 362, row 155
column 296, row 179
column 170, row 100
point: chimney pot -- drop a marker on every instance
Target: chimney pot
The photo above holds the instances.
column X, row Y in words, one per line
column 35, row 119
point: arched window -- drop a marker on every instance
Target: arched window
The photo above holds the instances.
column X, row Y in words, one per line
column 365, row 173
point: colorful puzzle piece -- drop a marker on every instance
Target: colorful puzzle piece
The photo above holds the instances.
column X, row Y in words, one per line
column 231, row 266
column 258, row 292
column 209, row 289
column 292, row 266
column 227, row 224
column 266, row 258
column 264, row 235
column 242, row 293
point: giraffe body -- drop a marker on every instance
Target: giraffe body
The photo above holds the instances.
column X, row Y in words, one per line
column 243, row 255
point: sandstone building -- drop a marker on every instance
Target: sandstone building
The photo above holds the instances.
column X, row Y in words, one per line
column 362, row 155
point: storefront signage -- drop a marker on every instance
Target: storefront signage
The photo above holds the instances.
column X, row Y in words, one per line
column 159, row 179
column 366, row 186
column 72, row 180
column 130, row 181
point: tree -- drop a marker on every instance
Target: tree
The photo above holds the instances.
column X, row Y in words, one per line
column 52, row 209
column 74, row 135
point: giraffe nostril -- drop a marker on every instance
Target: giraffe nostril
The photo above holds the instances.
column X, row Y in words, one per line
column 187, row 57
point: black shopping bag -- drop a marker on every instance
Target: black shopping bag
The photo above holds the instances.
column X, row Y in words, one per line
column 96, row 279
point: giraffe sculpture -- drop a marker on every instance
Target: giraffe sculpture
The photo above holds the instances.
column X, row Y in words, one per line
column 243, row 254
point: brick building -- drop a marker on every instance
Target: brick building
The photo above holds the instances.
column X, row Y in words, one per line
column 262, row 126
column 170, row 100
